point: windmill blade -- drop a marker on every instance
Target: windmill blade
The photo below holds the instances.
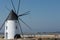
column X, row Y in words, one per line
column 25, row 24
column 13, row 5
column 7, row 8
column 2, row 26
column 4, row 23
column 18, row 7
column 26, row 13
column 20, row 28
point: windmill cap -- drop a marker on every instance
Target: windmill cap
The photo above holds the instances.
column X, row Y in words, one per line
column 12, row 16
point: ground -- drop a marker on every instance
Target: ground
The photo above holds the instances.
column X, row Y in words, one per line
column 35, row 39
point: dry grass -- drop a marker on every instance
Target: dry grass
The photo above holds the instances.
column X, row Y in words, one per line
column 37, row 38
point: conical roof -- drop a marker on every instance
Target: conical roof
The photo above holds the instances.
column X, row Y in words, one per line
column 12, row 16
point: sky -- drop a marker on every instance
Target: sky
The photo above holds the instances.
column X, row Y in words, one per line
column 44, row 15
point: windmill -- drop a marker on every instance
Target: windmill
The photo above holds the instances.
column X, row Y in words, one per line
column 11, row 23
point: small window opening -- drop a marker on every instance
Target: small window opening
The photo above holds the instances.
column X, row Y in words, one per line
column 6, row 35
column 6, row 27
column 16, row 27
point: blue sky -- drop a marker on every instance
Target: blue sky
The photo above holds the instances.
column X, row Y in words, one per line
column 44, row 17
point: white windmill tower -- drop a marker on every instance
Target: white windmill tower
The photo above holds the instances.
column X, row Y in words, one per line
column 11, row 23
column 11, row 28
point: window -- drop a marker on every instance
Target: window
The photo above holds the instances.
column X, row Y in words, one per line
column 6, row 35
column 6, row 27
column 15, row 21
column 16, row 27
